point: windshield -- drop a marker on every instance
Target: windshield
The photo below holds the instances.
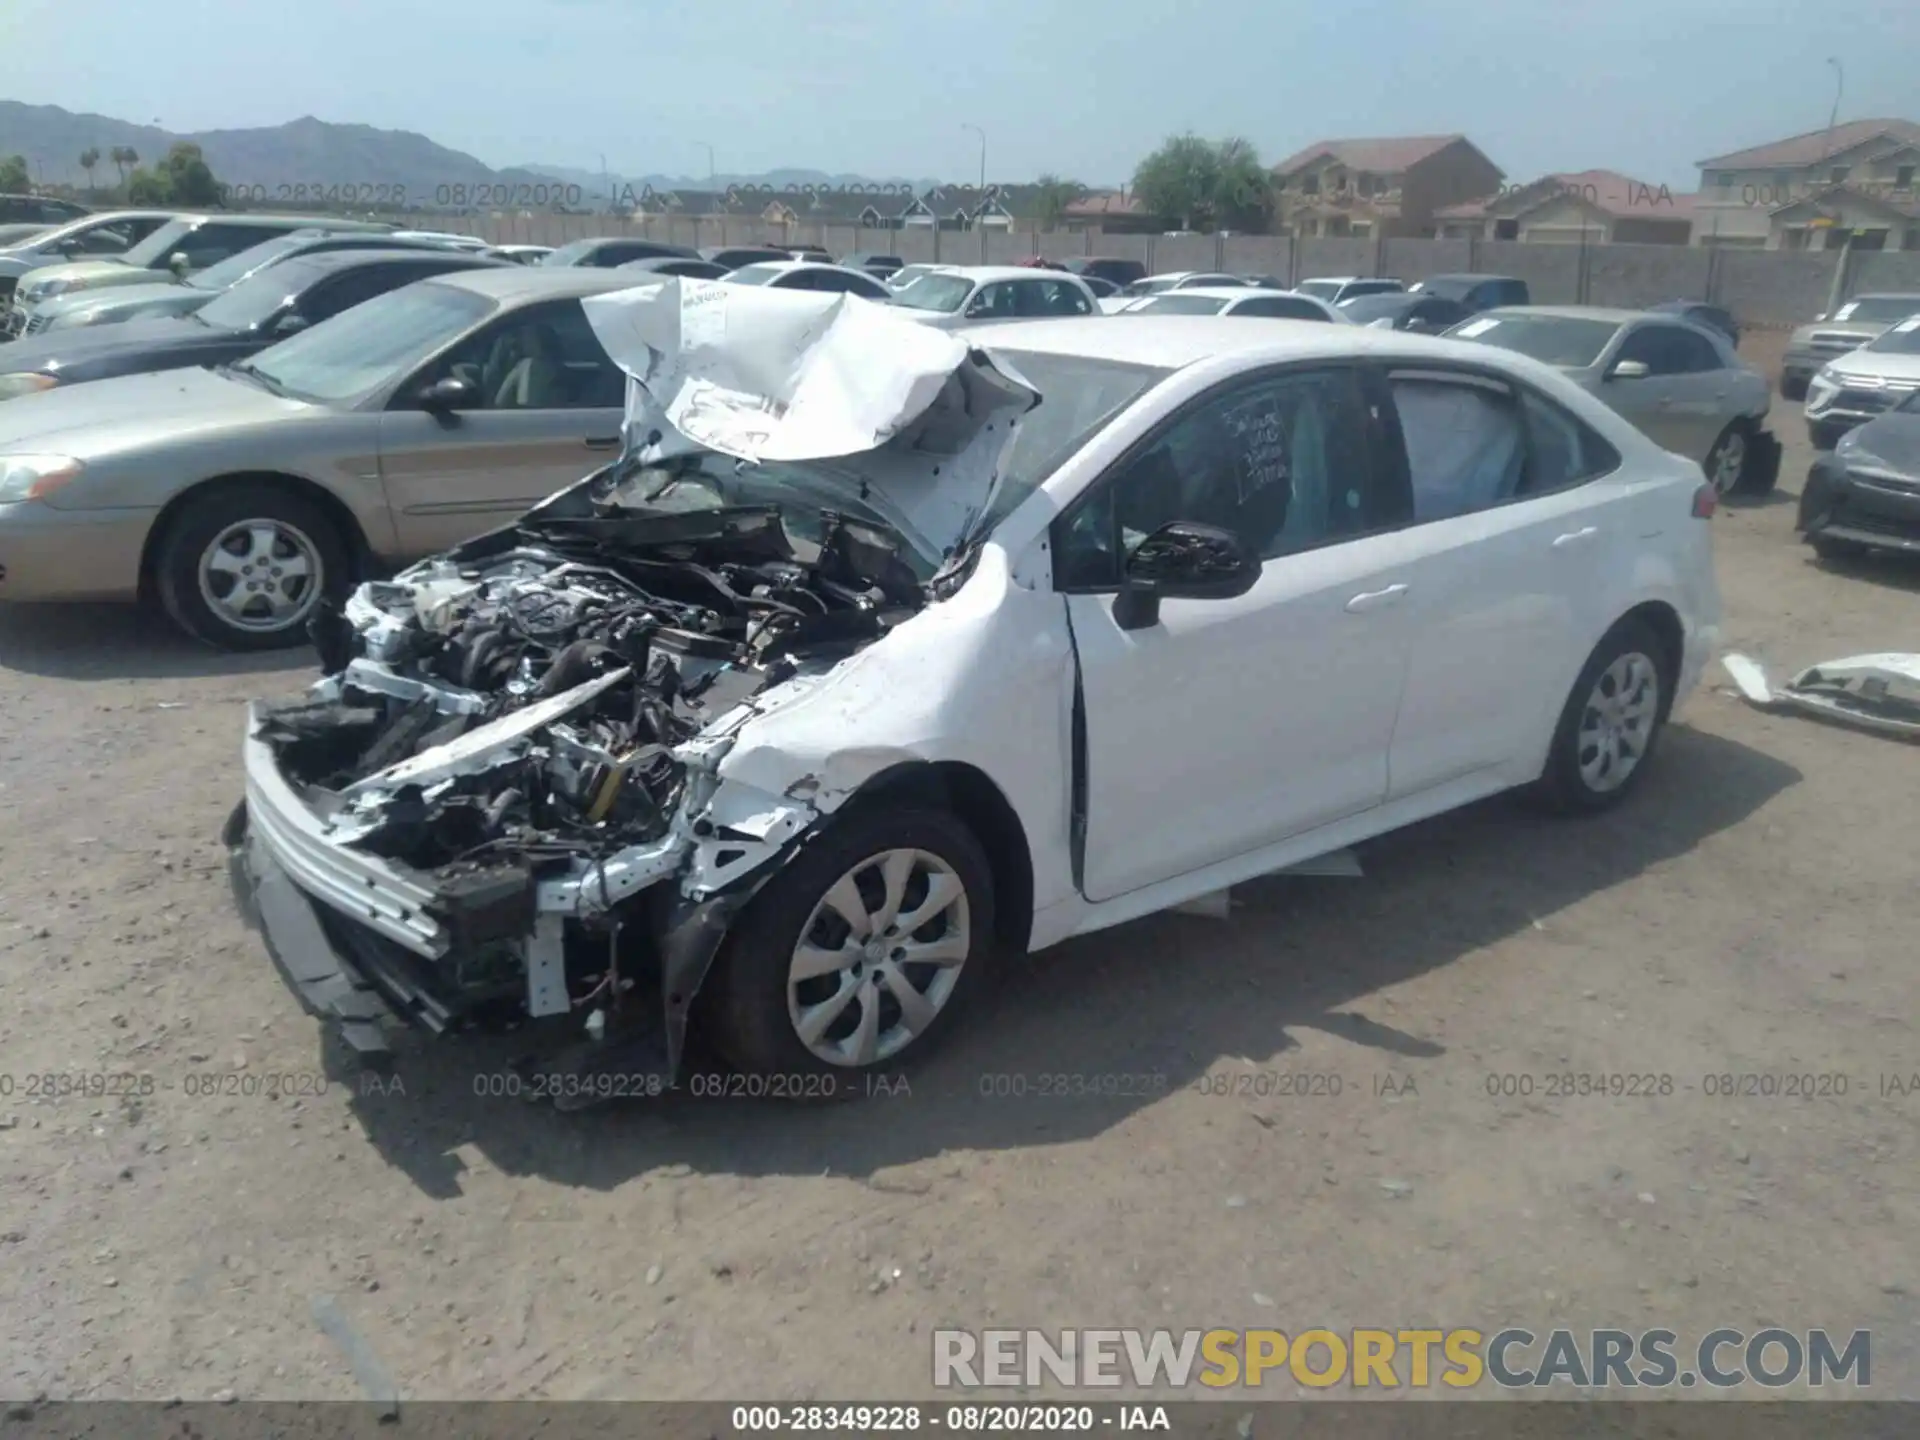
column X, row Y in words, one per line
column 1177, row 305
column 237, row 267
column 1879, row 307
column 1319, row 289
column 259, row 297
column 1078, row 397
column 754, row 274
column 942, row 293
column 1902, row 339
column 161, row 243
column 371, row 344
column 1556, row 339
column 1448, row 287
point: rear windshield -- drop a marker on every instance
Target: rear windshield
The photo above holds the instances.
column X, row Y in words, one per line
column 1557, row 339
column 754, row 274
column 1319, row 289
column 1367, row 308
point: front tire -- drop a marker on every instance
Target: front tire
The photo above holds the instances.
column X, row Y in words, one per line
column 1612, row 721
column 1830, row 549
column 859, row 954
column 242, row 566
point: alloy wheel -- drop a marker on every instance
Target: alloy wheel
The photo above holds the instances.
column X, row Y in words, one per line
column 1728, row 461
column 879, row 957
column 261, row 575
column 1616, row 725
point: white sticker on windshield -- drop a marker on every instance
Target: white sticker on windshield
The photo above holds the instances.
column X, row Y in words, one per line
column 1908, row 325
column 1845, row 312
column 1475, row 327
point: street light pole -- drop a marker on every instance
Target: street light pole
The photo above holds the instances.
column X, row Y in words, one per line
column 983, row 153
column 710, row 167
column 1833, row 115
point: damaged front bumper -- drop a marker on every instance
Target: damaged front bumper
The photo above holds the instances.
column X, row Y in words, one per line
column 371, row 944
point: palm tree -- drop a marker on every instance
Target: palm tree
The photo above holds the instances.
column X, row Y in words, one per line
column 123, row 156
column 89, row 158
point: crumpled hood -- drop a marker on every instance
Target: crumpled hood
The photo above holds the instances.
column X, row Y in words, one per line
column 1888, row 442
column 763, row 374
column 103, row 416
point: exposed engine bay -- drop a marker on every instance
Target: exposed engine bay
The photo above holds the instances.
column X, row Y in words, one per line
column 498, row 727
column 654, row 624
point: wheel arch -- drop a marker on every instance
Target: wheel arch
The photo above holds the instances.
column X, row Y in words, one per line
column 970, row 793
column 330, row 504
column 1664, row 621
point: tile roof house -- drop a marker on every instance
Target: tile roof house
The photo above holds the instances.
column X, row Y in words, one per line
column 1817, row 190
column 872, row 207
column 1594, row 207
column 1113, row 211
column 1386, row 186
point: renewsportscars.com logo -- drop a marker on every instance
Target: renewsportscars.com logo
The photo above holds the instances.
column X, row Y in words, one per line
column 1459, row 1359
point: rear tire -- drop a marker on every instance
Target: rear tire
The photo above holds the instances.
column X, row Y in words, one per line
column 1612, row 721
column 242, row 566
column 1730, row 464
column 754, row 1007
column 1793, row 387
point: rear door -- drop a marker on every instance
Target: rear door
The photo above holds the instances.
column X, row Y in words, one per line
column 548, row 411
column 1512, row 534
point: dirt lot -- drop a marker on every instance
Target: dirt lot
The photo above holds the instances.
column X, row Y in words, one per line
column 1752, row 911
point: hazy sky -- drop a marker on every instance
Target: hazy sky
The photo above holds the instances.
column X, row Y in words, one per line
column 1084, row 89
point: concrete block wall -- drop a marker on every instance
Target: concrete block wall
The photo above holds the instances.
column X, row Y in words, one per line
column 1760, row 287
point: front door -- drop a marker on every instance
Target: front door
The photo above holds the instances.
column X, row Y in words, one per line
column 1673, row 403
column 547, row 410
column 1229, row 725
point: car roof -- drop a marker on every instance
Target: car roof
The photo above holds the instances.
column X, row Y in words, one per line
column 1172, row 342
column 507, row 281
column 282, row 222
column 1883, row 295
column 1473, row 275
column 1238, row 292
column 1609, row 314
column 373, row 255
column 984, row 273
column 1340, row 279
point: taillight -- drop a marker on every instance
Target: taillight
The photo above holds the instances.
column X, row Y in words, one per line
column 1705, row 501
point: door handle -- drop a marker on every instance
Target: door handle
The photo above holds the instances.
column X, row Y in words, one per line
column 602, row 442
column 1376, row 599
column 1575, row 537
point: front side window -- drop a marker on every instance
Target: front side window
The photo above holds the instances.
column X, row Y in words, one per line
column 995, row 302
column 544, row 357
column 1669, row 350
column 1282, row 461
column 1043, row 298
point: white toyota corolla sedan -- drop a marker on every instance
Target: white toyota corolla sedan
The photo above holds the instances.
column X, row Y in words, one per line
column 831, row 694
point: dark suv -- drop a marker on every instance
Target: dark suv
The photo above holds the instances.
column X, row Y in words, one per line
column 1120, row 272
column 38, row 210
column 1475, row 292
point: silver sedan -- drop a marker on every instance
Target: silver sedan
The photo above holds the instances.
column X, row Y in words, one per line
column 1680, row 383
column 239, row 496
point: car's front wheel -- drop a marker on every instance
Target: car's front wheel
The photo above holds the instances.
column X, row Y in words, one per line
column 242, row 566
column 858, row 954
column 1611, row 721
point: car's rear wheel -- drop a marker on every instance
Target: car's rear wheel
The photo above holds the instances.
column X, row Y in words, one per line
column 1727, row 464
column 242, row 566
column 1611, row 722
column 858, row 954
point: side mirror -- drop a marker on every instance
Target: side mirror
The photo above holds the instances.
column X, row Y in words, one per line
column 290, row 324
column 179, row 264
column 447, row 395
column 1182, row 560
column 975, row 309
column 1628, row 370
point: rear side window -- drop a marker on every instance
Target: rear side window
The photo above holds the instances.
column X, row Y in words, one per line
column 1473, row 443
column 1041, row 298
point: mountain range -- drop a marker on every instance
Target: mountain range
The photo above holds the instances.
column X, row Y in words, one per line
column 323, row 153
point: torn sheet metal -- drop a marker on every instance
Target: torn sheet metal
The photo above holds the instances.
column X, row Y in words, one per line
column 769, row 375
column 1880, row 692
column 487, row 745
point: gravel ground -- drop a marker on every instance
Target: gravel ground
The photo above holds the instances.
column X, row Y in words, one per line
column 1752, row 911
